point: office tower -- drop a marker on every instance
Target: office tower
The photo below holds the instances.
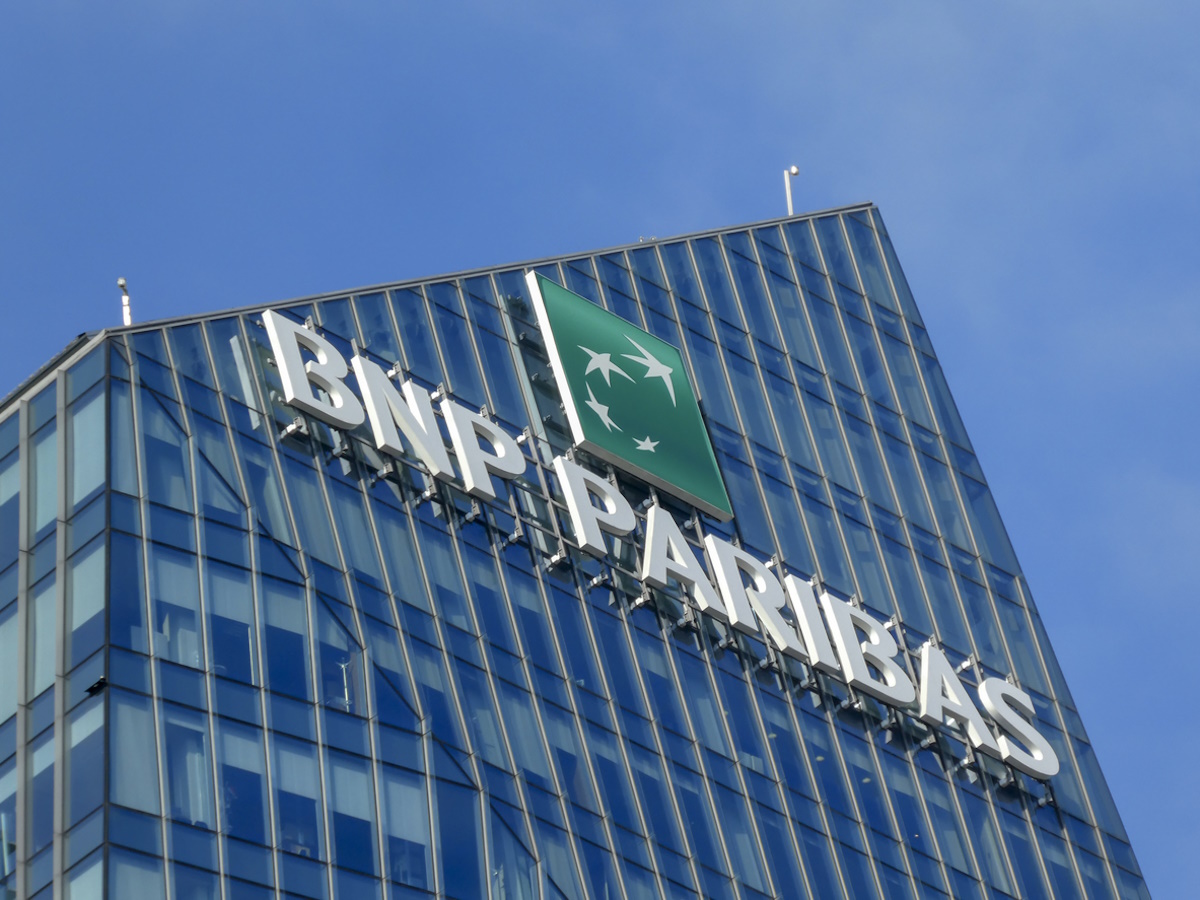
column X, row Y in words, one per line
column 665, row 571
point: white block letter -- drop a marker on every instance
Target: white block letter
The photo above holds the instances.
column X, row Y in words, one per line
column 812, row 626
column 764, row 596
column 504, row 459
column 667, row 555
column 414, row 414
column 342, row 409
column 1008, row 706
column 943, row 695
column 878, row 649
column 580, row 486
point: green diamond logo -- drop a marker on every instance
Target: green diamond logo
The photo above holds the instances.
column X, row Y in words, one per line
column 628, row 397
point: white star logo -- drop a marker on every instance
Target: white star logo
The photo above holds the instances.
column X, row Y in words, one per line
column 601, row 410
column 603, row 362
column 654, row 368
column 646, row 444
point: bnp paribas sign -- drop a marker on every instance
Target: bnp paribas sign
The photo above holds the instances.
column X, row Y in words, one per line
column 630, row 404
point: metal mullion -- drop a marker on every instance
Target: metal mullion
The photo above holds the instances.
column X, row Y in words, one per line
column 624, row 755
column 105, row 646
column 951, row 469
column 22, row 730
column 310, row 601
column 826, row 811
column 839, row 753
column 586, row 760
column 135, row 409
column 724, row 373
column 256, row 593
column 61, row 641
column 309, row 589
column 202, row 612
column 830, row 278
column 368, row 674
column 942, row 538
column 744, row 325
column 737, row 411
column 372, row 743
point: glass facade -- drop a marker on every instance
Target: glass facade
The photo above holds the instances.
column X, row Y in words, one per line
column 244, row 655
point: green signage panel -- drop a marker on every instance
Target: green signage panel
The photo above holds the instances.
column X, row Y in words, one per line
column 628, row 397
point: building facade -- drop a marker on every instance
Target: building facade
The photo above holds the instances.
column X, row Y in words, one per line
column 348, row 597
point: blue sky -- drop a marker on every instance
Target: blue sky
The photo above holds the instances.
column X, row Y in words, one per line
column 1036, row 164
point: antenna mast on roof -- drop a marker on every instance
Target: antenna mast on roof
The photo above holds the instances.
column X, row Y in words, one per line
column 787, row 185
column 126, row 313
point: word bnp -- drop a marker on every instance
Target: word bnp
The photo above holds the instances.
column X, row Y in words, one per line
column 731, row 585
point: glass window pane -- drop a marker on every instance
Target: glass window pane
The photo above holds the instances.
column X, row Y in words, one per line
column 8, row 661
column 43, row 616
column 8, row 818
column 242, row 776
column 285, row 637
column 230, row 605
column 165, row 444
column 351, row 812
column 405, row 814
column 461, row 840
column 135, row 875
column 188, row 766
column 132, row 759
column 85, row 760
column 175, row 599
column 297, row 797
column 85, row 424
column 40, row 793
column 43, row 501
column 85, row 601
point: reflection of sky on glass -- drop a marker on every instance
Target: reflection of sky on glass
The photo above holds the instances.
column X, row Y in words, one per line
column 1036, row 167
